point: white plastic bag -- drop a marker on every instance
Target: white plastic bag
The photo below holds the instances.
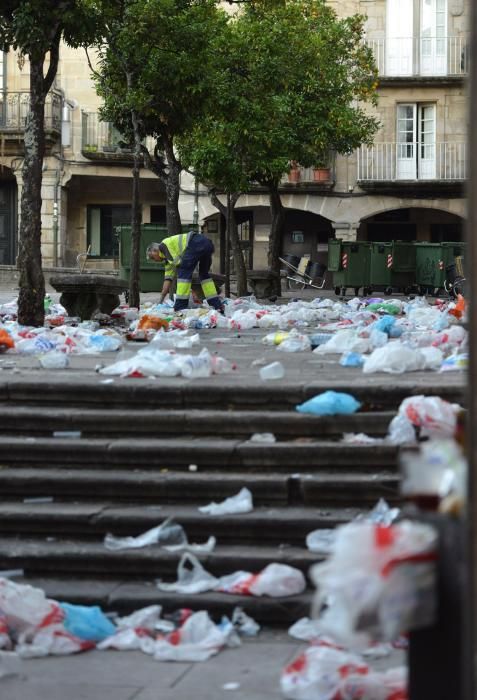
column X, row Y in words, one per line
column 191, row 577
column 197, row 640
column 433, row 415
column 345, row 340
column 275, row 580
column 378, row 582
column 240, row 503
column 394, row 358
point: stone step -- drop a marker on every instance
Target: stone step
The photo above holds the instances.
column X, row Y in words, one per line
column 94, row 422
column 148, row 453
column 40, row 557
column 125, row 597
column 374, row 392
column 264, row 526
column 182, row 487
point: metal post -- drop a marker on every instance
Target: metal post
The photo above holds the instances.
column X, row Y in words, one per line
column 470, row 601
column 195, row 215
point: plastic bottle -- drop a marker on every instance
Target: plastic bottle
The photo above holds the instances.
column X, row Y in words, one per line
column 196, row 366
column 275, row 370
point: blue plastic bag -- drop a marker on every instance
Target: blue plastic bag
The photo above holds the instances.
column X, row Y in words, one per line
column 87, row 622
column 351, row 359
column 385, row 324
column 330, row 403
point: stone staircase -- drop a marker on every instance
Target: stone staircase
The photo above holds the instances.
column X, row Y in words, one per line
column 129, row 470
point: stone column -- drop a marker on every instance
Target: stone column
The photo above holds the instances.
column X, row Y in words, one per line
column 346, row 230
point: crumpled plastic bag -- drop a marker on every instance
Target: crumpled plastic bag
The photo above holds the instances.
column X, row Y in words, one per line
column 346, row 340
column 168, row 534
column 327, row 672
column 330, row 403
column 432, row 415
column 240, row 503
column 191, row 577
column 198, row 639
column 394, row 358
column 275, row 580
column 87, row 622
column 379, row 582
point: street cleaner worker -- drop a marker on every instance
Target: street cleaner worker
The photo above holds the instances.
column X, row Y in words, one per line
column 181, row 254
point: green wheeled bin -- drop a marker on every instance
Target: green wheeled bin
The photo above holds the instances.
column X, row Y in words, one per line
column 432, row 259
column 393, row 267
column 349, row 262
column 151, row 273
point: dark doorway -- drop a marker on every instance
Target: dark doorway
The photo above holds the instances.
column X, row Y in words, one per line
column 7, row 223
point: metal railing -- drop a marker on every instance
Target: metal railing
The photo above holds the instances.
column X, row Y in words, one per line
column 101, row 137
column 15, row 106
column 421, row 56
column 393, row 161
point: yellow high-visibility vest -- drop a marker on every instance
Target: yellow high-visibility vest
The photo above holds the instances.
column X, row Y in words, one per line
column 176, row 246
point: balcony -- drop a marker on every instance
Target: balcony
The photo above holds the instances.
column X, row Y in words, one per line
column 414, row 166
column 101, row 141
column 421, row 57
column 300, row 179
column 15, row 106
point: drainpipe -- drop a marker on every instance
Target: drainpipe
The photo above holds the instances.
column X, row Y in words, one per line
column 55, row 219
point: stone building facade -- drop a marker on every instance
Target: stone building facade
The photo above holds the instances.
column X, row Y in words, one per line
column 409, row 185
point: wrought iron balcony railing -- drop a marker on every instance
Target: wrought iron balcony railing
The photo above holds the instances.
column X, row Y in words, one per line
column 421, row 56
column 15, row 106
column 102, row 139
column 389, row 162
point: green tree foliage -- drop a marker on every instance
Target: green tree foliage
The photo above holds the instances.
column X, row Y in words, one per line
column 35, row 28
column 296, row 84
column 153, row 75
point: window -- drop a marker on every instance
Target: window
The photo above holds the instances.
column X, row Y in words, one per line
column 297, row 237
column 101, row 228
column 3, row 71
column 416, row 142
column 416, row 38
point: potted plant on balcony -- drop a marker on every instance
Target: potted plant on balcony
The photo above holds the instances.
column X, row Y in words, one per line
column 321, row 169
column 294, row 172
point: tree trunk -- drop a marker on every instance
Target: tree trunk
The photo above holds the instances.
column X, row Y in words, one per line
column 31, row 310
column 231, row 240
column 277, row 214
column 173, row 217
column 136, row 219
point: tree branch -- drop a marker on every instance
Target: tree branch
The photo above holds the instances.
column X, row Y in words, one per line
column 53, row 67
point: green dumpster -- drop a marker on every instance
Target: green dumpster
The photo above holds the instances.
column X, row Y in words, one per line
column 432, row 259
column 349, row 263
column 393, row 266
column 151, row 273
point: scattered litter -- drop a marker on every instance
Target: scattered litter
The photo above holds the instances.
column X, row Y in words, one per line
column 193, row 467
column 242, row 502
column 275, row 580
column 244, row 624
column 275, row 370
column 363, row 595
column 325, row 671
column 263, row 437
column 330, row 403
column 169, row 535
column 321, row 541
column 231, row 686
column 54, row 360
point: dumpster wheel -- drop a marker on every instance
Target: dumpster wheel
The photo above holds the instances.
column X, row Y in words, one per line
column 356, row 291
column 337, row 291
column 367, row 291
column 388, row 291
